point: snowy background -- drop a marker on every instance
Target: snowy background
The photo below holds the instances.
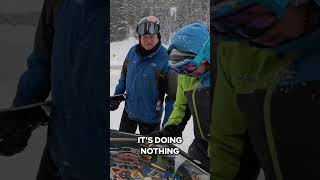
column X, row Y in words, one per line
column 173, row 14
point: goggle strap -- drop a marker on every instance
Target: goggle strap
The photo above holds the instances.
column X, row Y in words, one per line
column 204, row 50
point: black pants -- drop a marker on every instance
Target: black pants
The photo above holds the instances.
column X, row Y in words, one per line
column 48, row 170
column 130, row 126
column 198, row 151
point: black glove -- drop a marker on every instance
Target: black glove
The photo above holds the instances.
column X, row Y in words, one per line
column 16, row 127
column 114, row 105
column 167, row 131
column 115, row 101
column 11, row 144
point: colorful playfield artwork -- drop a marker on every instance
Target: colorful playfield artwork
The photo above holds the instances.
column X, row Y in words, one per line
column 127, row 163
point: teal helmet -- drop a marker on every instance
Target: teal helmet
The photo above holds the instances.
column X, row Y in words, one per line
column 189, row 48
column 193, row 38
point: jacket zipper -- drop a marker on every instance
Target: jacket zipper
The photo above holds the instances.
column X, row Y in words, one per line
column 269, row 134
column 196, row 112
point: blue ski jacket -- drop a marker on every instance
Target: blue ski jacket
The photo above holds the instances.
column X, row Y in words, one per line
column 145, row 80
column 69, row 61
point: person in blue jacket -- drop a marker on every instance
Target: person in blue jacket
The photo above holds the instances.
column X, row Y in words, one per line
column 68, row 60
column 144, row 78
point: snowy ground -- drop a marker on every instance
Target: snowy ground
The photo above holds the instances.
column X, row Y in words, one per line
column 118, row 52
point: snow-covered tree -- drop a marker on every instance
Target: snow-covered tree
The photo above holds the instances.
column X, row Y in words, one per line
column 173, row 14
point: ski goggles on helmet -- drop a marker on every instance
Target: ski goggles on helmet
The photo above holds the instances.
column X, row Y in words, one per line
column 187, row 63
column 246, row 21
column 184, row 67
column 148, row 28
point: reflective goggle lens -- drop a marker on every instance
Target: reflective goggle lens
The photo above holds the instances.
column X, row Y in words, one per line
column 148, row 28
column 186, row 66
column 185, row 69
column 186, row 62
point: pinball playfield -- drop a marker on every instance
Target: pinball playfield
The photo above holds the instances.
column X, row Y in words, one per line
column 127, row 162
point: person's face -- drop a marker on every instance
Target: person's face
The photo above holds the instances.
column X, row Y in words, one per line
column 149, row 41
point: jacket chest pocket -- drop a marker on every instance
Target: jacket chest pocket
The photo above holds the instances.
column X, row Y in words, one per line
column 146, row 74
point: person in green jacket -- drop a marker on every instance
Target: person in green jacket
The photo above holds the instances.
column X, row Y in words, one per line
column 266, row 98
column 190, row 57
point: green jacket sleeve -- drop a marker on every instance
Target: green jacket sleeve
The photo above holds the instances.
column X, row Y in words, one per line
column 228, row 126
column 180, row 106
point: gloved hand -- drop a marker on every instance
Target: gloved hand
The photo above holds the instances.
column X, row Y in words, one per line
column 114, row 105
column 11, row 144
column 167, row 131
column 115, row 101
column 16, row 127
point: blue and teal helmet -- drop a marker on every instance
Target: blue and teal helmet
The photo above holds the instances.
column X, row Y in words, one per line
column 192, row 39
